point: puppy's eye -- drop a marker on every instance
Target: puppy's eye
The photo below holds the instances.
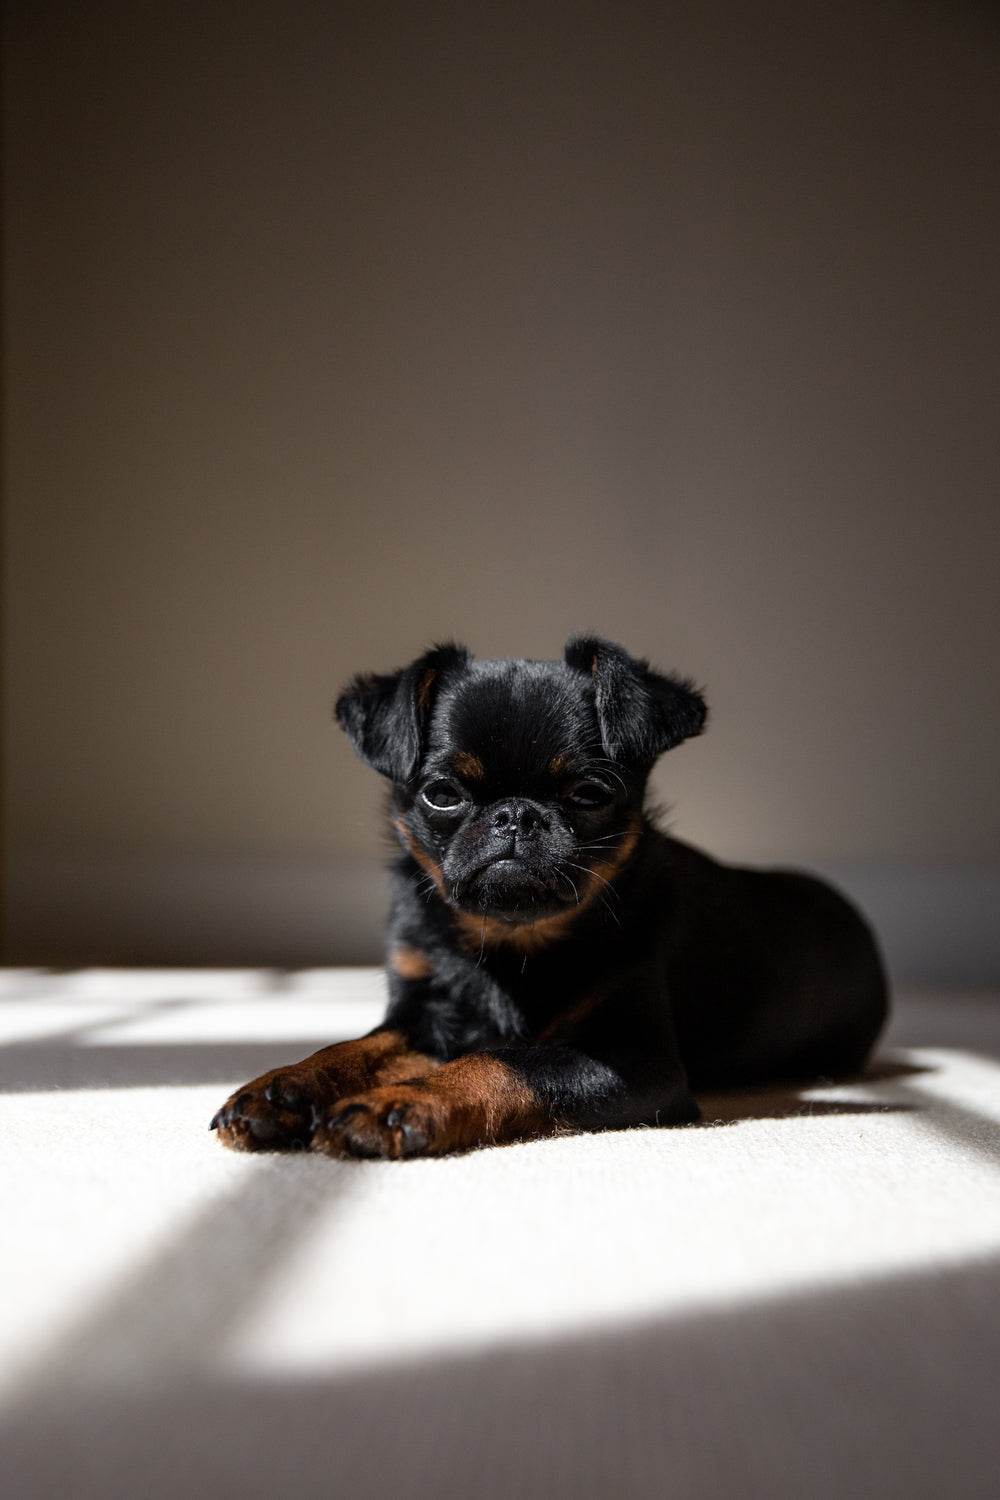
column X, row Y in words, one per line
column 588, row 794
column 443, row 795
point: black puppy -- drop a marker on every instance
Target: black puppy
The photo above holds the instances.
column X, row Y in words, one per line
column 555, row 962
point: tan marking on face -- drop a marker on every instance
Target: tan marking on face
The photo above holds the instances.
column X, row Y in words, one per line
column 423, row 859
column 410, row 963
column 620, row 854
column 424, row 689
column 594, row 665
column 560, row 765
column 529, row 937
column 468, row 766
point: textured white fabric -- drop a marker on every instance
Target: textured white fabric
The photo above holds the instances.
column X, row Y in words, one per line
column 800, row 1296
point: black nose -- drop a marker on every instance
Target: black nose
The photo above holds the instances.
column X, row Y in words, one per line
column 518, row 820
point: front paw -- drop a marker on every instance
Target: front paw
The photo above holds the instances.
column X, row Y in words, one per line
column 397, row 1121
column 275, row 1112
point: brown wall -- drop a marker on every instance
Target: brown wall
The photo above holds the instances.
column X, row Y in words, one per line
column 334, row 329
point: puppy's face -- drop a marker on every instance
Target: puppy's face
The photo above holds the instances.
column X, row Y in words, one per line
column 519, row 784
column 515, row 810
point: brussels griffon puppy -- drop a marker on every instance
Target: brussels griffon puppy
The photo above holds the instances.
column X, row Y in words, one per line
column 555, row 961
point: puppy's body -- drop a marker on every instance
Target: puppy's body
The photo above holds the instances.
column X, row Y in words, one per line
column 763, row 975
column 554, row 960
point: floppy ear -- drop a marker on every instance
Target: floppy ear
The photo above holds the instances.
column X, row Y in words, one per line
column 641, row 712
column 385, row 717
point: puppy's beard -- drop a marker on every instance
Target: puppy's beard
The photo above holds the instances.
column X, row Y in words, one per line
column 512, row 889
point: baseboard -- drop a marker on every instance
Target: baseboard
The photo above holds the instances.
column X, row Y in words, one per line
column 936, row 925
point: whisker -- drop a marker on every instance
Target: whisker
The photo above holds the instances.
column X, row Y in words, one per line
column 612, row 838
column 424, row 884
column 609, row 909
column 597, row 876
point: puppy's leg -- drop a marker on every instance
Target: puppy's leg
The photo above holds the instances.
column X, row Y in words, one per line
column 473, row 1101
column 277, row 1112
column 503, row 1095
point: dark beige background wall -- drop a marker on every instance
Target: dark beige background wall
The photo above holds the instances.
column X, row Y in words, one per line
column 334, row 329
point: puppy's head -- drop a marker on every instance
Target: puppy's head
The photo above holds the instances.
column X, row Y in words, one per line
column 518, row 785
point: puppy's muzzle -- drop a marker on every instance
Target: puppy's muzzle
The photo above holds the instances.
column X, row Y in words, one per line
column 515, row 875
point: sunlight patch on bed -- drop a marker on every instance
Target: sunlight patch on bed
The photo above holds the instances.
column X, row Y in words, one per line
column 594, row 1230
column 108, row 1008
column 324, row 1021
column 95, row 1184
column 329, row 1266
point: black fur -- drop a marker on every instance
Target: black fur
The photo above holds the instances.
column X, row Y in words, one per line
column 612, row 968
